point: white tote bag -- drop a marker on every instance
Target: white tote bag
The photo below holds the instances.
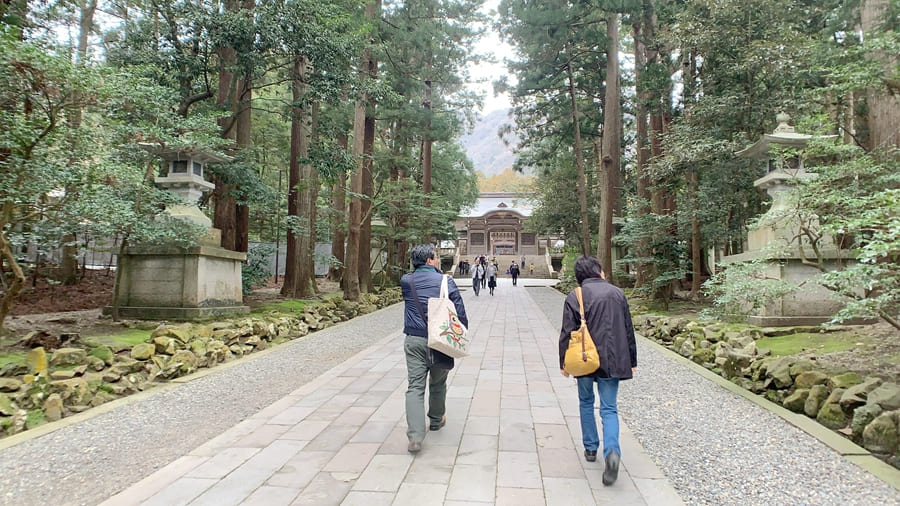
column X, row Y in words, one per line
column 446, row 333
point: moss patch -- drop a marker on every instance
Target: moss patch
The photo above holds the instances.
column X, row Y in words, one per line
column 12, row 358
column 792, row 344
column 284, row 306
column 126, row 338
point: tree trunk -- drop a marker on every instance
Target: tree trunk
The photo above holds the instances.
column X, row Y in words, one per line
column 579, row 162
column 296, row 274
column 231, row 218
column 69, row 264
column 368, row 189
column 696, row 250
column 642, row 152
column 244, row 140
column 610, row 150
column 338, row 221
column 883, row 118
column 6, row 255
column 352, row 290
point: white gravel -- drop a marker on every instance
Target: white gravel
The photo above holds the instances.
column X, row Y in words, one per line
column 718, row 448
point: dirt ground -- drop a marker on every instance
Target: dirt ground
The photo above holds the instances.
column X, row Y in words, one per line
column 58, row 309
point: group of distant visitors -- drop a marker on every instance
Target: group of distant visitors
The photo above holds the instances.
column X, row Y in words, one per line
column 484, row 272
column 606, row 317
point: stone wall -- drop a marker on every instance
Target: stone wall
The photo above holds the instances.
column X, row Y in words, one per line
column 865, row 409
column 53, row 385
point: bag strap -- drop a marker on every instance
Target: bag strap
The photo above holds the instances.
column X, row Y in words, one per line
column 445, row 291
column 583, row 323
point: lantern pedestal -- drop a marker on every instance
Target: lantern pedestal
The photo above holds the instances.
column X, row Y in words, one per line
column 160, row 282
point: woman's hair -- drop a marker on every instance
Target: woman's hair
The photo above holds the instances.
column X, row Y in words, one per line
column 587, row 267
column 421, row 254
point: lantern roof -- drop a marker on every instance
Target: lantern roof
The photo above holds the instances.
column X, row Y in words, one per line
column 784, row 136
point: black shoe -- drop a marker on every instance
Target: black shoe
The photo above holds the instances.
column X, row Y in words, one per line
column 612, row 469
column 590, row 455
column 438, row 425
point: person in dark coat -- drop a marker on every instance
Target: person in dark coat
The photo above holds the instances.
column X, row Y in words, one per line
column 427, row 278
column 514, row 272
column 609, row 323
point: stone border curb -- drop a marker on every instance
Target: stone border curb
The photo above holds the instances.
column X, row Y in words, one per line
column 843, row 446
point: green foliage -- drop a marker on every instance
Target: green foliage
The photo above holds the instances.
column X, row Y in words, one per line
column 256, row 271
column 742, row 288
column 666, row 254
column 556, row 201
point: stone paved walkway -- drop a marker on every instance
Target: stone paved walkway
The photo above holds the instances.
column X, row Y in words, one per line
column 512, row 434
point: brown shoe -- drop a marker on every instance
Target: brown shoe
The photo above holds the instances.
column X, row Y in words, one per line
column 414, row 447
column 438, row 425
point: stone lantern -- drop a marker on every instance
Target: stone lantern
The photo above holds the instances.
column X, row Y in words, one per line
column 167, row 282
column 811, row 304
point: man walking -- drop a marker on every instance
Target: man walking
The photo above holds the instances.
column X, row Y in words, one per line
column 417, row 287
column 609, row 324
column 514, row 272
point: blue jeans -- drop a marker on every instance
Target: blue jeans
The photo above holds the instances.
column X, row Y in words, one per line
column 608, row 388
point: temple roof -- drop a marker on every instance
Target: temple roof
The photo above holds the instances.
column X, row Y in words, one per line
column 498, row 201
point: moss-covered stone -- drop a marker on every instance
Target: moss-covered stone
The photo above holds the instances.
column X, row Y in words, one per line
column 800, row 367
column 7, row 407
column 856, row 395
column 863, row 416
column 143, row 351
column 68, row 356
column 887, row 396
column 104, row 353
column 796, row 402
column 778, row 371
column 832, row 416
column 845, row 380
column 882, row 435
column 809, row 378
column 703, row 355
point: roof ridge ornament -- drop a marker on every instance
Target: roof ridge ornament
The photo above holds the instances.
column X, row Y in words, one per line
column 783, row 126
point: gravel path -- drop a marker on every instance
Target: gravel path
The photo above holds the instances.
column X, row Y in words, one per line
column 719, row 448
column 90, row 461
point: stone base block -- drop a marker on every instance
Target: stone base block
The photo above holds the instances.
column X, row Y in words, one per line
column 798, row 321
column 177, row 313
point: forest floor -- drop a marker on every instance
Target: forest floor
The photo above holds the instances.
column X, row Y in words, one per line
column 56, row 309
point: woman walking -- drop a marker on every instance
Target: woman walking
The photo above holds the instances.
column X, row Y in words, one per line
column 609, row 323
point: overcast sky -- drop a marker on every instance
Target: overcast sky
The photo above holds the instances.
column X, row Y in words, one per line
column 490, row 44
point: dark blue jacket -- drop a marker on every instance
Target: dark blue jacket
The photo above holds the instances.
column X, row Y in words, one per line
column 608, row 321
column 428, row 284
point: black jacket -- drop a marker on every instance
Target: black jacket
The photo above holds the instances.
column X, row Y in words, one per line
column 608, row 321
column 428, row 284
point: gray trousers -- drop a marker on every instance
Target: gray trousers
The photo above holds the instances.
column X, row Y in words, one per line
column 416, row 349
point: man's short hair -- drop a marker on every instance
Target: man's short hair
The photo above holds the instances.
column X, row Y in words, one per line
column 587, row 267
column 421, row 254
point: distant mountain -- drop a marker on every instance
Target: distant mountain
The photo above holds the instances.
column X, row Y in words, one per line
column 483, row 146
